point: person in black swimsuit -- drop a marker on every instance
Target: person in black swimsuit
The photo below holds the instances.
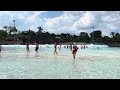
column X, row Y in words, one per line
column 55, row 46
column 67, row 46
column 84, row 46
column 27, row 46
column 37, row 47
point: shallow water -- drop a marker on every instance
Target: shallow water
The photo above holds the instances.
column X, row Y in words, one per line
column 91, row 63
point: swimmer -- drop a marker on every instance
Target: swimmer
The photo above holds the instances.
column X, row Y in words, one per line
column 37, row 47
column 0, row 48
column 75, row 49
column 55, row 46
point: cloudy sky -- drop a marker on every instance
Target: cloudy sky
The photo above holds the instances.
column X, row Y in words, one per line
column 56, row 22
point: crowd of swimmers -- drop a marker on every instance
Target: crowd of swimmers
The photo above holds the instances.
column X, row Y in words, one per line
column 73, row 48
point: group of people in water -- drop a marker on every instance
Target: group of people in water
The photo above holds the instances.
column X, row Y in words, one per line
column 36, row 48
column 73, row 48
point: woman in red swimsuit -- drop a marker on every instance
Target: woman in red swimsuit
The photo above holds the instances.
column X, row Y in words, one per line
column 74, row 50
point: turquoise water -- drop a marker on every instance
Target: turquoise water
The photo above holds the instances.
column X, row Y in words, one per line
column 91, row 63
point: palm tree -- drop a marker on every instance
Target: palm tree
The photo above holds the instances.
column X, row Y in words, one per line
column 117, row 34
column 40, row 34
column 40, row 28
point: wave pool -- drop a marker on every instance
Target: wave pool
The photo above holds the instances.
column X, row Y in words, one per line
column 90, row 63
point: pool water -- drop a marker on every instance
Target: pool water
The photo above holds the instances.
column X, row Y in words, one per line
column 90, row 63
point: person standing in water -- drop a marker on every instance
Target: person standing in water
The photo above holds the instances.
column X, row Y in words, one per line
column 64, row 46
column 70, row 47
column 27, row 46
column 84, row 46
column 81, row 47
column 55, row 46
column 67, row 46
column 60, row 47
column 37, row 47
column 74, row 50
column 0, row 48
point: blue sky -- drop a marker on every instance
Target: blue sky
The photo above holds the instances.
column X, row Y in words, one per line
column 72, row 22
column 52, row 14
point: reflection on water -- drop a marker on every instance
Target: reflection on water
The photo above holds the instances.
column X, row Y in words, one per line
column 27, row 55
column 74, row 65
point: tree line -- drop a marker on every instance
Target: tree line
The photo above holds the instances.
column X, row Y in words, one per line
column 13, row 34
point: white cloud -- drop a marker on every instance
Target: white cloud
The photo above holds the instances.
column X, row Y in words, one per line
column 24, row 19
column 72, row 22
column 84, row 22
column 76, row 21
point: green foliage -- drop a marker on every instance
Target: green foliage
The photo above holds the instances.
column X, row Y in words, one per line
column 96, row 36
column 10, row 33
column 116, row 36
column 3, row 34
column 12, row 30
column 84, row 37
